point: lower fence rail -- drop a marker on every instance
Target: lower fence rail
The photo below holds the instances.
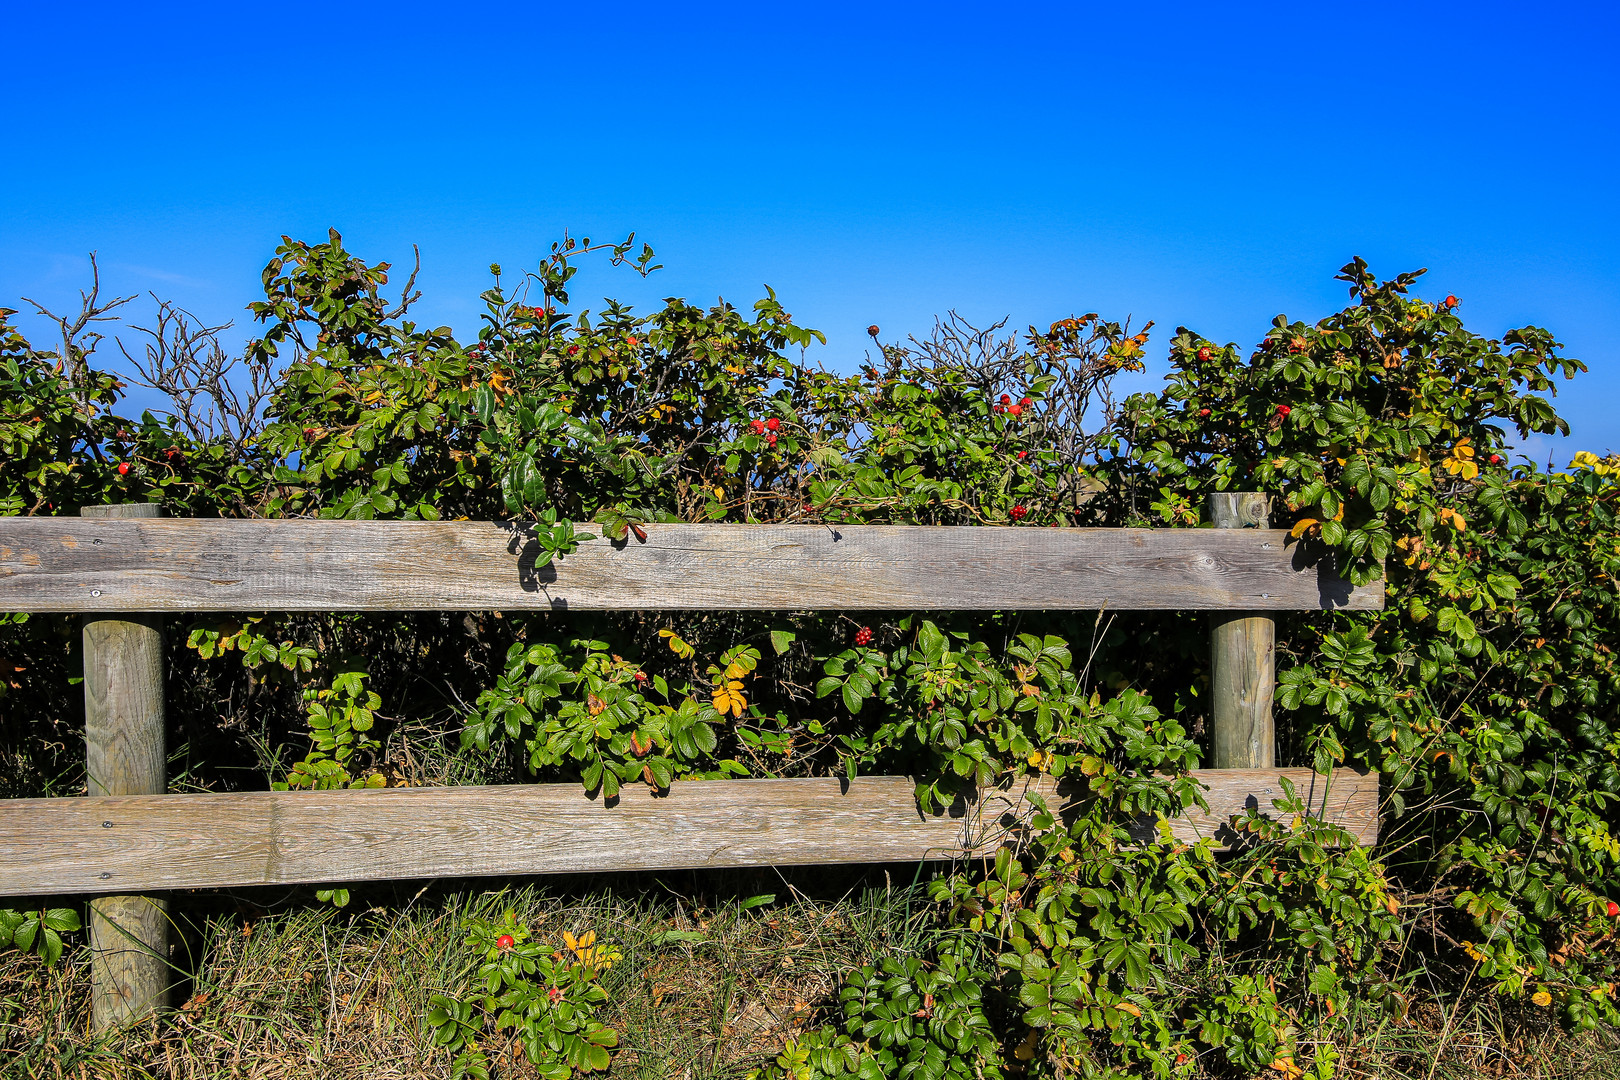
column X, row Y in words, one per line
column 141, row 843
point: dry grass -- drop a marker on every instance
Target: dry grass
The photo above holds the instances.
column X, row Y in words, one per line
column 705, row 989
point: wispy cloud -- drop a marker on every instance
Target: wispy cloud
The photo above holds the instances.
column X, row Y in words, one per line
column 166, row 276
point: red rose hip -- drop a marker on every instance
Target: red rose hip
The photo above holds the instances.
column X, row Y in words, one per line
column 1284, row 410
column 773, row 424
column 123, row 468
column 505, row 941
column 1612, row 908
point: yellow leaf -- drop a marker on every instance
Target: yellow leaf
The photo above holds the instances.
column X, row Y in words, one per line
column 1127, row 1007
column 1034, row 759
column 719, row 492
column 1300, row 526
column 373, row 396
column 570, row 941
column 1542, row 998
column 734, row 671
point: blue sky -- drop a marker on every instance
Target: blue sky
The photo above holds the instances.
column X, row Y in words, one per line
column 1204, row 165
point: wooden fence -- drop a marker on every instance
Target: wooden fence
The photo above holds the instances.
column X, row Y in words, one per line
column 121, row 567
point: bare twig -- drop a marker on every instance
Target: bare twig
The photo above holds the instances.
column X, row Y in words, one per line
column 185, row 361
column 78, row 340
column 410, row 294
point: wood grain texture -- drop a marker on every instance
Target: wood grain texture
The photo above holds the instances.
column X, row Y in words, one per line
column 125, row 755
column 129, row 961
column 64, row 564
column 1243, row 665
column 134, row 843
column 1242, row 683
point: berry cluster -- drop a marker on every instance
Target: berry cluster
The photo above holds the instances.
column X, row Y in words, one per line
column 768, row 428
column 863, row 636
column 1012, row 408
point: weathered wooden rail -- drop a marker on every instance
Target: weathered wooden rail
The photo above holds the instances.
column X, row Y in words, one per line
column 121, row 567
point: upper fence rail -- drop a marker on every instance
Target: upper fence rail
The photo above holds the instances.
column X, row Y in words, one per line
column 93, row 565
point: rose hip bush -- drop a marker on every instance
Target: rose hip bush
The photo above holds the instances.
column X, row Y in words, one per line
column 1485, row 692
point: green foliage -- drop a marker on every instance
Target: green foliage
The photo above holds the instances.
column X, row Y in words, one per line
column 1486, row 691
column 39, row 932
column 546, row 996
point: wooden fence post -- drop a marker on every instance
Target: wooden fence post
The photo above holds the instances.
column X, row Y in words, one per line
column 126, row 755
column 1243, row 665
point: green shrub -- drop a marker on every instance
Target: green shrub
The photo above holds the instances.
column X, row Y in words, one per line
column 1485, row 692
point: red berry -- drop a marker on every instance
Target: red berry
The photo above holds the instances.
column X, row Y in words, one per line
column 1025, row 402
column 631, row 340
column 1203, row 354
column 756, row 426
column 573, row 350
column 1022, row 454
column 1612, row 908
column 641, row 676
column 1203, row 412
column 863, row 636
column 1284, row 410
column 505, row 941
column 770, row 440
column 123, row 468
column 873, row 330
column 1016, row 410
column 773, row 424
column 1019, row 513
column 1006, row 399
column 1450, row 302
column 1496, row 459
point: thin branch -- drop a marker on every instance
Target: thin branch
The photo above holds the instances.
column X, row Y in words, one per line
column 185, row 361
column 78, row 340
